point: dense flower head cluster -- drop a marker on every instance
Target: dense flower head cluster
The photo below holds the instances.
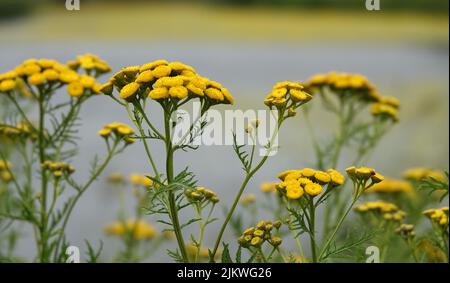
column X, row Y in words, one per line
column 406, row 231
column 287, row 95
column 137, row 228
column 387, row 210
column 352, row 84
column 49, row 74
column 138, row 179
column 21, row 129
column 438, row 215
column 392, row 186
column 355, row 85
column 295, row 183
column 386, row 107
column 162, row 81
column 5, row 171
column 8, row 81
column 58, row 168
column 201, row 194
column 90, row 63
column 419, row 173
column 364, row 174
column 117, row 130
column 262, row 232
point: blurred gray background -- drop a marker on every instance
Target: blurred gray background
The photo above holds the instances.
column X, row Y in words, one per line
column 247, row 48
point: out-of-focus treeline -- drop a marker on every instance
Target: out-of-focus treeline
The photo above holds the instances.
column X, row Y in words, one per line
column 15, row 8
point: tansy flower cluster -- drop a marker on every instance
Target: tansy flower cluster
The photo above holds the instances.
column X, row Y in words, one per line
column 392, row 186
column 351, row 84
column 356, row 85
column 138, row 229
column 140, row 180
column 201, row 195
column 117, row 130
column 58, row 168
column 438, row 215
column 8, row 81
column 262, row 232
column 287, row 95
column 90, row 63
column 387, row 210
column 22, row 129
column 49, row 74
column 162, row 81
column 5, row 171
column 297, row 182
column 406, row 231
column 363, row 174
column 419, row 173
column 386, row 107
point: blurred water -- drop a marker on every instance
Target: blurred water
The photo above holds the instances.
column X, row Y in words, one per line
column 417, row 75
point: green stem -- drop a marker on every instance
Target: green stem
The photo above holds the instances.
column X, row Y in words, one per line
column 413, row 250
column 202, row 228
column 146, row 147
column 173, row 211
column 269, row 257
column 78, row 196
column 264, row 259
column 235, row 203
column 339, row 208
column 43, row 198
column 312, row 216
column 336, row 229
column 55, row 196
column 295, row 235
column 141, row 110
column 22, row 113
column 242, row 188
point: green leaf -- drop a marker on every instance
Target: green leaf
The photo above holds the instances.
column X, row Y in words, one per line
column 92, row 254
column 238, row 254
column 241, row 154
column 252, row 258
column 434, row 185
column 226, row 258
column 175, row 255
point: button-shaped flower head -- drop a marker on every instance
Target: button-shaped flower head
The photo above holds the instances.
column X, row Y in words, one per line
column 297, row 182
column 261, row 233
column 162, row 81
column 385, row 211
column 438, row 215
column 51, row 74
column 117, row 130
column 287, row 95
